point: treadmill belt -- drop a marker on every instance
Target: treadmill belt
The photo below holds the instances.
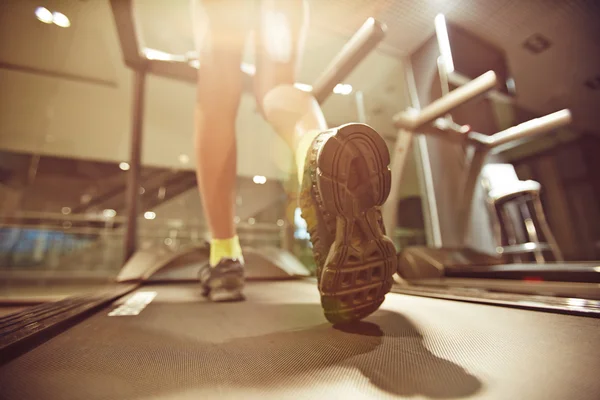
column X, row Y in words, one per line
column 278, row 345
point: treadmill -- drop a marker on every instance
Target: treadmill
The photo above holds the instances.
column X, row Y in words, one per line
column 456, row 269
column 160, row 339
column 455, row 264
column 151, row 335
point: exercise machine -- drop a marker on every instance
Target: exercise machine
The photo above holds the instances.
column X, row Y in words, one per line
column 468, row 255
column 462, row 261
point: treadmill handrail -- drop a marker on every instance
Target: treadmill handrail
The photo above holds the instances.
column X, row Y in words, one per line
column 531, row 128
column 369, row 35
column 412, row 120
column 184, row 67
column 525, row 130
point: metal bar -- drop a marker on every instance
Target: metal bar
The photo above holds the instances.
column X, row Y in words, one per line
column 58, row 74
column 360, row 107
column 133, row 181
column 421, row 153
column 441, row 33
column 55, row 228
column 468, row 191
column 247, row 230
column 457, row 79
column 443, row 74
column 29, row 215
column 524, row 248
column 126, row 29
column 541, row 218
column 531, row 231
column 258, row 226
column 529, row 129
column 413, row 120
column 390, row 208
column 364, row 40
column 429, row 201
column 446, row 129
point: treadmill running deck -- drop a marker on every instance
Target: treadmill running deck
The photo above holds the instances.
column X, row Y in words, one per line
column 278, row 345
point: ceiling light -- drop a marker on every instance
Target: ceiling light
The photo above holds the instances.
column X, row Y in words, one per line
column 184, row 158
column 66, row 210
column 149, row 215
column 343, row 89
column 248, row 68
column 44, row 15
column 251, row 221
column 124, row 166
column 303, row 86
column 280, row 222
column 61, row 19
column 109, row 213
column 259, row 179
column 153, row 54
column 510, row 85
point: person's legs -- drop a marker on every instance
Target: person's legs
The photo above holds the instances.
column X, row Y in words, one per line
column 294, row 114
column 220, row 30
column 343, row 173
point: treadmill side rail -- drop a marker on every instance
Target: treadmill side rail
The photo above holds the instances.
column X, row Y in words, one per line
column 425, row 262
column 31, row 322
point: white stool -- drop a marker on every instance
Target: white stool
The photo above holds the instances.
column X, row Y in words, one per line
column 504, row 187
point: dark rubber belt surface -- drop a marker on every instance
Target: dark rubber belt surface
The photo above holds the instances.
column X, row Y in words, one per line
column 277, row 345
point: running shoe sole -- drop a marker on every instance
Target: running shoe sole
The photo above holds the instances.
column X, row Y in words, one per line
column 353, row 180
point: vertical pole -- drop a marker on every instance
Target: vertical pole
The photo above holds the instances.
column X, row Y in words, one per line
column 467, row 190
column 399, row 157
column 133, row 178
column 431, row 220
column 360, row 107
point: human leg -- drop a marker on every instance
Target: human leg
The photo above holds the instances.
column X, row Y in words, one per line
column 343, row 174
column 220, row 30
column 294, row 114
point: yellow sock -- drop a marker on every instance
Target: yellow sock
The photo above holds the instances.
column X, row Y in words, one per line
column 225, row 248
column 302, row 148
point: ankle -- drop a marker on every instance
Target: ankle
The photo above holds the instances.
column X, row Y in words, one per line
column 225, row 248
